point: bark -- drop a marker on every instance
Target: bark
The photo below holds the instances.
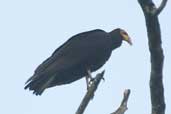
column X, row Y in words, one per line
column 156, row 52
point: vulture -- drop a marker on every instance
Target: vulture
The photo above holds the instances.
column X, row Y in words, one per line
column 78, row 57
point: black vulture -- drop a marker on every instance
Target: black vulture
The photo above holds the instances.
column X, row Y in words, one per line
column 77, row 58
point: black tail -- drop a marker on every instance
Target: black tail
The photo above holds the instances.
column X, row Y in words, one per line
column 38, row 84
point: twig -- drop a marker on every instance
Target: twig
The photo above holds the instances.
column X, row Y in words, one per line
column 160, row 8
column 123, row 106
column 90, row 93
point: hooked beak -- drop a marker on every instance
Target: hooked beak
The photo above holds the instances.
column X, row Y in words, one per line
column 127, row 38
column 129, row 41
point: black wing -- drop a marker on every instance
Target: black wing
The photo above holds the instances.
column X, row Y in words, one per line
column 71, row 53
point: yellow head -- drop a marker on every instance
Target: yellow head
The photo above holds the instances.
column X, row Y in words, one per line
column 125, row 36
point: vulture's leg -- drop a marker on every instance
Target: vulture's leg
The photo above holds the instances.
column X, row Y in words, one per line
column 87, row 82
column 89, row 78
column 89, row 75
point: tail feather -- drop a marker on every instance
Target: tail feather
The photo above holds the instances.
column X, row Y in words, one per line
column 31, row 78
column 38, row 85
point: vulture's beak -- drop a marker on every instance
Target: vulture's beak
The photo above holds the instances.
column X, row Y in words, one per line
column 129, row 41
column 127, row 38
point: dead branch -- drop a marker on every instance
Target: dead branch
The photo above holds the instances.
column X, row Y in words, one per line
column 149, row 7
column 90, row 93
column 156, row 52
column 161, row 7
column 123, row 106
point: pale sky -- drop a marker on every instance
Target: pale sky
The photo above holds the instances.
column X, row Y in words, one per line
column 30, row 30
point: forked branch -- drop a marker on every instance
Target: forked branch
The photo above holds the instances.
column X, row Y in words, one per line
column 149, row 7
column 156, row 53
column 160, row 8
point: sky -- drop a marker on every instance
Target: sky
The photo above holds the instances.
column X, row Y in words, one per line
column 30, row 30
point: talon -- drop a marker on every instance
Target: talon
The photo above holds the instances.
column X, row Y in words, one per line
column 92, row 79
column 88, row 88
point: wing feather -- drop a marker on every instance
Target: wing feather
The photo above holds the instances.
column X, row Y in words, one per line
column 70, row 54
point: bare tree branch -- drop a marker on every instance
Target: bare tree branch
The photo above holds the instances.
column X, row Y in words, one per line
column 149, row 7
column 90, row 93
column 160, row 8
column 156, row 53
column 123, row 106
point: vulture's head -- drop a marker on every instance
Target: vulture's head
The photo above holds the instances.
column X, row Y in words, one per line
column 118, row 35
